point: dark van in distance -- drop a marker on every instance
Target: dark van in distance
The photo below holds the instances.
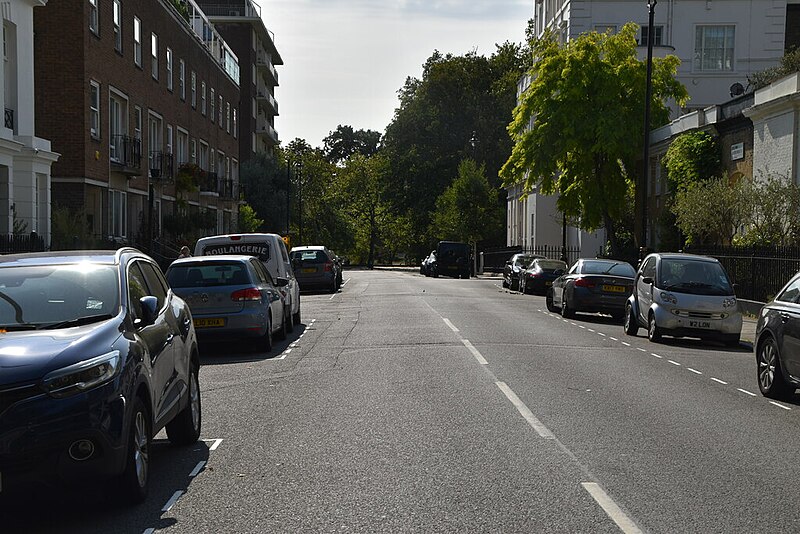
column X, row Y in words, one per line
column 452, row 259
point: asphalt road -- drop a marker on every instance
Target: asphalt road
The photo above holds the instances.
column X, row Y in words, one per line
column 412, row 404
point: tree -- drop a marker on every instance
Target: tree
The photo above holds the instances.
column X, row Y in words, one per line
column 789, row 64
column 576, row 131
column 468, row 208
column 773, row 205
column 264, row 181
column 248, row 221
column 713, row 211
column 690, row 158
column 344, row 142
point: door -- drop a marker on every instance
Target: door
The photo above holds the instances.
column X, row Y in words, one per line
column 644, row 291
column 787, row 328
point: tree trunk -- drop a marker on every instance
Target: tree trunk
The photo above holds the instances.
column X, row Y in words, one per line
column 371, row 258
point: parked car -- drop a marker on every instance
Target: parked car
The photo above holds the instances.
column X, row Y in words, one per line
column 428, row 265
column 232, row 297
column 594, row 286
column 452, row 259
column 271, row 250
column 339, row 267
column 315, row 268
column 540, row 274
column 683, row 295
column 777, row 342
column 514, row 268
column 97, row 356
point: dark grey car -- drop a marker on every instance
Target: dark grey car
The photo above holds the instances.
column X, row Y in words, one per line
column 315, row 268
column 777, row 345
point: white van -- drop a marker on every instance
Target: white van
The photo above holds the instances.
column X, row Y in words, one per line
column 271, row 250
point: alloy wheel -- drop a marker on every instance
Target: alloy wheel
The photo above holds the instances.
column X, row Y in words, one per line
column 141, row 454
column 767, row 359
column 194, row 401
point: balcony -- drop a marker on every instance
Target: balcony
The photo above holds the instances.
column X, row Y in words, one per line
column 232, row 8
column 208, row 183
column 228, row 189
column 9, row 119
column 125, row 152
column 267, row 102
column 162, row 166
column 264, row 62
column 263, row 128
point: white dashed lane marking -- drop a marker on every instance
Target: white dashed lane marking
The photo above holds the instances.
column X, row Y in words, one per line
column 674, row 362
column 474, row 351
column 719, row 381
column 610, row 507
column 695, row 371
column 172, row 500
column 746, row 392
column 779, row 405
column 199, row 467
column 537, row 425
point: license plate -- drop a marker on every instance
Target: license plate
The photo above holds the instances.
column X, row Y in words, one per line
column 548, row 283
column 453, row 267
column 614, row 289
column 310, row 270
column 209, row 323
column 699, row 324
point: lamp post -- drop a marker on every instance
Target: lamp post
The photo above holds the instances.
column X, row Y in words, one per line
column 288, row 188
column 299, row 176
column 651, row 6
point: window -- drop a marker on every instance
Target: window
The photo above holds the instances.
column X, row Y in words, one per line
column 154, row 55
column 155, row 281
column 235, row 125
column 203, row 156
column 154, row 138
column 137, row 41
column 220, row 111
column 137, row 288
column 203, row 98
column 212, row 105
column 658, row 35
column 117, row 26
column 228, row 117
column 94, row 19
column 182, row 79
column 94, row 109
column 169, row 69
column 194, row 90
column 791, row 292
column 169, row 139
column 183, row 147
column 713, row 48
column 118, row 125
column 193, row 150
column 117, row 213
column 137, row 122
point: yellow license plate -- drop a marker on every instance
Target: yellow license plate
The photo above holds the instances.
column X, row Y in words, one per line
column 614, row 289
column 208, row 323
column 310, row 270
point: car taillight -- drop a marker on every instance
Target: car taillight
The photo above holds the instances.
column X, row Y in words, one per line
column 328, row 267
column 241, row 295
column 584, row 282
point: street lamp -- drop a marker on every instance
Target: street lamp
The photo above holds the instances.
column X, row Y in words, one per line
column 651, row 6
column 299, row 175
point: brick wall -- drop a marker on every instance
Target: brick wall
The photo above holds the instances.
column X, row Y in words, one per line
column 240, row 38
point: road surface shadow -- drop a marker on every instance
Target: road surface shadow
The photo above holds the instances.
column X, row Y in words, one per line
column 225, row 352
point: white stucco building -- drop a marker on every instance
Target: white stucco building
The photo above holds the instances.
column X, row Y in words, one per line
column 25, row 159
column 719, row 42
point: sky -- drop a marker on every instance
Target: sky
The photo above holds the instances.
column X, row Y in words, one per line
column 345, row 60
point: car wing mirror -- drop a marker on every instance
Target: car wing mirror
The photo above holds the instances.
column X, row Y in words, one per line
column 558, row 272
column 149, row 306
column 281, row 282
column 647, row 280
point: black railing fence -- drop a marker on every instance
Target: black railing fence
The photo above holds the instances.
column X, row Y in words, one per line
column 15, row 243
column 758, row 272
column 494, row 259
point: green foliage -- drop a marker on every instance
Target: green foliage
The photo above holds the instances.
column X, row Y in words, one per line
column 692, row 157
column 68, row 228
column 468, row 208
column 789, row 64
column 264, row 181
column 713, row 211
column 773, row 204
column 344, row 142
column 248, row 221
column 188, row 225
column 576, row 130
column 20, row 226
column 458, row 109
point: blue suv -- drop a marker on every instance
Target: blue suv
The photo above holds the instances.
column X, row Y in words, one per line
column 96, row 356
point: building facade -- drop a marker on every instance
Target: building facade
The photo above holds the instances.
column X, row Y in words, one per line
column 141, row 97
column 719, row 42
column 25, row 159
column 241, row 25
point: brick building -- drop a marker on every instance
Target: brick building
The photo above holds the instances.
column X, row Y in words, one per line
column 241, row 25
column 131, row 93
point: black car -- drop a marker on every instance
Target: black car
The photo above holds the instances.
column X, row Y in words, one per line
column 514, row 268
column 97, row 355
column 314, row 267
column 540, row 274
column 452, row 259
column 777, row 343
column 593, row 285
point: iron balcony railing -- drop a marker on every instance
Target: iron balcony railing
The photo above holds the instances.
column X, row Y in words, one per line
column 9, row 119
column 126, row 151
column 162, row 166
column 228, row 189
column 208, row 182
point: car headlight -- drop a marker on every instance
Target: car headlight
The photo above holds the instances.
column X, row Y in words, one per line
column 728, row 303
column 669, row 298
column 82, row 376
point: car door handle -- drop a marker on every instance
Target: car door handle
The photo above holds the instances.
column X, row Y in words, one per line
column 785, row 317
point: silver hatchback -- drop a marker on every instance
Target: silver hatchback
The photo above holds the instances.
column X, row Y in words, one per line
column 231, row 297
column 683, row 295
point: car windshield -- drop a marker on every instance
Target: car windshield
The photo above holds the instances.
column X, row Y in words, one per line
column 57, row 296
column 549, row 265
column 614, row 268
column 207, row 274
column 694, row 277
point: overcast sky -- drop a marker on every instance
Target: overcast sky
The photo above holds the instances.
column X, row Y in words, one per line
column 344, row 60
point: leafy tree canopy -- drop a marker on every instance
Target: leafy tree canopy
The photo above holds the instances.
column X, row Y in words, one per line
column 344, row 142
column 713, row 211
column 789, row 64
column 265, row 185
column 692, row 157
column 576, row 130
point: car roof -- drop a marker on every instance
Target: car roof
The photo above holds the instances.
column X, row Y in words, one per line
column 684, row 256
column 212, row 259
column 308, row 247
column 236, row 237
column 66, row 257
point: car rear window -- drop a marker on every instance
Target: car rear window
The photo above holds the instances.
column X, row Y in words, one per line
column 551, row 265
column 207, row 275
column 606, row 267
column 310, row 256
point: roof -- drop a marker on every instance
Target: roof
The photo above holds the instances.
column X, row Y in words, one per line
column 66, row 257
column 685, row 256
column 212, row 259
column 309, row 247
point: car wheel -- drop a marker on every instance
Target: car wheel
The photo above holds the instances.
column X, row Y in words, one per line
column 296, row 317
column 770, row 377
column 136, row 477
column 505, row 284
column 334, row 286
column 185, row 428
column 548, row 300
column 282, row 332
column 289, row 321
column 266, row 343
column 653, row 331
column 631, row 322
column 566, row 310
column 524, row 286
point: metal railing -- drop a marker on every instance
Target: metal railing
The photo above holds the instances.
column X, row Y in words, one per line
column 126, row 151
column 494, row 259
column 162, row 166
column 228, row 189
column 11, row 243
column 208, row 182
column 9, row 119
column 241, row 8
